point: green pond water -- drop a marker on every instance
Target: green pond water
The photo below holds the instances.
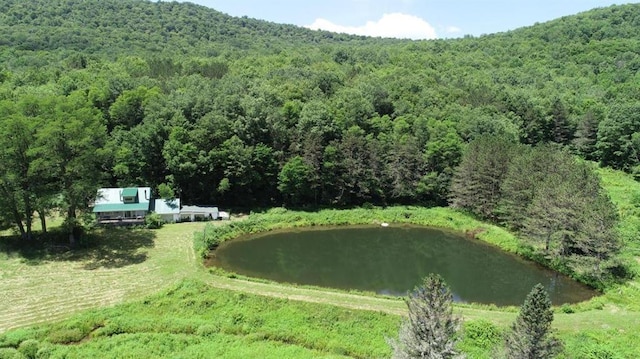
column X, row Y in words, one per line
column 393, row 260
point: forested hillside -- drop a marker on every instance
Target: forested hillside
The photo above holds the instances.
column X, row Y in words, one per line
column 240, row 112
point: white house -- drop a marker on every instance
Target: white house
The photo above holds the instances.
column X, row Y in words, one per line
column 129, row 205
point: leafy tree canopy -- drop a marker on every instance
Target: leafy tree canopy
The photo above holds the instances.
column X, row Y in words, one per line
column 222, row 109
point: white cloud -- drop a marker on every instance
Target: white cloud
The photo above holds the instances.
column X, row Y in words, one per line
column 390, row 25
column 453, row 30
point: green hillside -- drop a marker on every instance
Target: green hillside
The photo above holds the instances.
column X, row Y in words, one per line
column 247, row 114
column 112, row 28
column 215, row 107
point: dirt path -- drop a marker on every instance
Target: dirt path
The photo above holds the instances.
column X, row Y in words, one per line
column 346, row 300
column 610, row 317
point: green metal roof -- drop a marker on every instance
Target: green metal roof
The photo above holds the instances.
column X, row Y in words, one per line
column 129, row 192
column 120, row 207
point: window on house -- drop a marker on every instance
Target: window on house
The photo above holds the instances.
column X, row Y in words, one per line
column 130, row 195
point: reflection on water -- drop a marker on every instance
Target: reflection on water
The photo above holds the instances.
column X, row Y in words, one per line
column 392, row 261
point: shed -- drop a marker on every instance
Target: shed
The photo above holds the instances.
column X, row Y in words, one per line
column 193, row 213
column 168, row 209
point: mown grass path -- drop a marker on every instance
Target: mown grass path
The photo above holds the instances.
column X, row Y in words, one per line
column 610, row 317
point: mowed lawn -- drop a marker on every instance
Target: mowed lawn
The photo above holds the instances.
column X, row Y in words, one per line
column 125, row 265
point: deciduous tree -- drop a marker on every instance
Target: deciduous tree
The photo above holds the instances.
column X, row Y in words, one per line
column 294, row 181
column 618, row 143
column 70, row 152
column 17, row 183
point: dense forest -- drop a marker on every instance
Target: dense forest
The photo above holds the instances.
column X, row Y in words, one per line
column 245, row 113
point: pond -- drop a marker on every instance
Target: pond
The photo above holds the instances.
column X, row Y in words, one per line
column 393, row 260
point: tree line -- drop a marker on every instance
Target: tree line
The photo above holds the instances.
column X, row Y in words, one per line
column 554, row 200
column 250, row 114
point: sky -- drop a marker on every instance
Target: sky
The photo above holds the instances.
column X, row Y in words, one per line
column 413, row 19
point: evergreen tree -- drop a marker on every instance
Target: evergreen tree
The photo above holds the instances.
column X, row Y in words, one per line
column 562, row 130
column 596, row 244
column 477, row 181
column 527, row 172
column 530, row 336
column 572, row 220
column 430, row 330
column 587, row 134
column 403, row 168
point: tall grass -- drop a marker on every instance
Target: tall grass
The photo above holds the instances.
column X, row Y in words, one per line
column 625, row 193
column 194, row 320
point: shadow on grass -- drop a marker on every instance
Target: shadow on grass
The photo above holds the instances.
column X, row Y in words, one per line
column 103, row 248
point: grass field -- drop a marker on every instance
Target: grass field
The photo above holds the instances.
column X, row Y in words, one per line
column 49, row 289
column 192, row 319
column 173, row 304
column 125, row 265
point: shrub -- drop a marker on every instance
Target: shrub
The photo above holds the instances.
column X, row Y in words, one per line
column 66, row 336
column 15, row 337
column 208, row 330
column 567, row 309
column 597, row 345
column 9, row 353
column 598, row 351
column 45, row 351
column 153, row 221
column 29, row 348
column 277, row 210
column 482, row 334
